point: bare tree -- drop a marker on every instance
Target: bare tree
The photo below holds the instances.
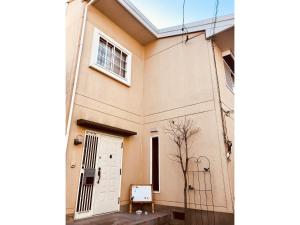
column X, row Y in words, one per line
column 180, row 132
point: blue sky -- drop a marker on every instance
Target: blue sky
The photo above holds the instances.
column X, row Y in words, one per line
column 166, row 13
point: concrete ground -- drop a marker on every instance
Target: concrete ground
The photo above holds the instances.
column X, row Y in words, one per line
column 158, row 218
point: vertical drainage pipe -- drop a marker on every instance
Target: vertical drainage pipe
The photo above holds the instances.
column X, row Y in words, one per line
column 77, row 69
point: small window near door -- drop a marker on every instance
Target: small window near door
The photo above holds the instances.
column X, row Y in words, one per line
column 155, row 163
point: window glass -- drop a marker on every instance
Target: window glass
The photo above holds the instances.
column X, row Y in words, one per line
column 230, row 61
column 123, row 61
column 112, row 59
column 109, row 56
column 101, row 52
column 229, row 76
column 117, row 61
column 155, row 164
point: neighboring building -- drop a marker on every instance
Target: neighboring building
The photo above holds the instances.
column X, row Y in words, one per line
column 130, row 79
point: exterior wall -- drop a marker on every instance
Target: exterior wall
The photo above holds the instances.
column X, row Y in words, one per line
column 170, row 79
column 227, row 99
column 102, row 99
column 179, row 80
column 74, row 16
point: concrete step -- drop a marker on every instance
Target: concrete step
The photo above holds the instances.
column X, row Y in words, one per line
column 159, row 218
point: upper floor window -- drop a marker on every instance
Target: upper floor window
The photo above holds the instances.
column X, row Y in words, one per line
column 228, row 59
column 111, row 58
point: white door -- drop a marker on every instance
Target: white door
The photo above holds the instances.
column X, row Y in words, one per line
column 108, row 175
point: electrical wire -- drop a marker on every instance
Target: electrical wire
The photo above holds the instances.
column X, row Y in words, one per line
column 183, row 26
column 216, row 70
column 215, row 17
column 223, row 114
column 183, row 6
column 178, row 43
column 190, row 38
column 225, row 137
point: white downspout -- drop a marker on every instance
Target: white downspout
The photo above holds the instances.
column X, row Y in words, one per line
column 77, row 70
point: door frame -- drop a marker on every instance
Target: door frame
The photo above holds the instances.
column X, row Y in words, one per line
column 91, row 212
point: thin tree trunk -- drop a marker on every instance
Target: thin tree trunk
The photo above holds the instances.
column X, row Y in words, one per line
column 185, row 199
column 180, row 134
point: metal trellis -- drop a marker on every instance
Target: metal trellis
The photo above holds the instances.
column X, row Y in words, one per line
column 199, row 175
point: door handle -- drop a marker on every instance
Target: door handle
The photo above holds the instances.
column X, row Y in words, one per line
column 99, row 175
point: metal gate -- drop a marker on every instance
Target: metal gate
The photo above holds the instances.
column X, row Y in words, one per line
column 87, row 176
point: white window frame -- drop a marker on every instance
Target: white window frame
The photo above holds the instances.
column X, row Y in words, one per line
column 159, row 168
column 225, row 53
column 93, row 61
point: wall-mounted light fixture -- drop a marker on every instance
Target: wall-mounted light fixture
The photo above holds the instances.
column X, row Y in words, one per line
column 78, row 140
column 73, row 164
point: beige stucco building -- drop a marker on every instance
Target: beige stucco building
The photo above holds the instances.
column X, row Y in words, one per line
column 125, row 80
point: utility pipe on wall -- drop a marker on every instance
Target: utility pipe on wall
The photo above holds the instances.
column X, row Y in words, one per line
column 221, row 111
column 77, row 69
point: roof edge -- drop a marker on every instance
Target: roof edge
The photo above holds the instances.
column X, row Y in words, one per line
column 139, row 16
column 222, row 23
